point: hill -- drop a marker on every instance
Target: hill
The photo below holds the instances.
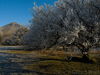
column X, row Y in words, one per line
column 10, row 28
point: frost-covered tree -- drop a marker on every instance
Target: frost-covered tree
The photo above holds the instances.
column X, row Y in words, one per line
column 71, row 22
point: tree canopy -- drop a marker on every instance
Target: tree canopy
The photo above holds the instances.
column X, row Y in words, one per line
column 66, row 22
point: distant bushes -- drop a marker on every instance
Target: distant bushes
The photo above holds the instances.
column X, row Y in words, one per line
column 11, row 41
column 15, row 39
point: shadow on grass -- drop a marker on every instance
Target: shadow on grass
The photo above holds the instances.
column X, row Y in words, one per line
column 84, row 59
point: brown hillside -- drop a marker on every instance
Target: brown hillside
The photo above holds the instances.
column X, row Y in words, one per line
column 10, row 28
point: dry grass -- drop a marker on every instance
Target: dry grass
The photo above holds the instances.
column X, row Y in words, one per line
column 15, row 51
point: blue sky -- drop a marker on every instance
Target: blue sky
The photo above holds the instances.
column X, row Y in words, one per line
column 18, row 10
